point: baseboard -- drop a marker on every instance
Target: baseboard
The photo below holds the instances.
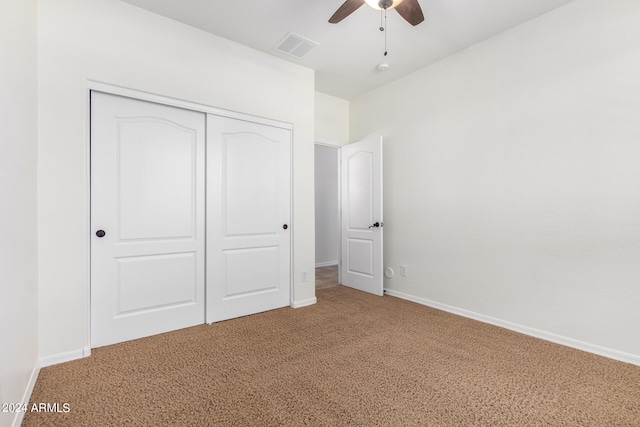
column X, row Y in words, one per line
column 65, row 357
column 548, row 336
column 326, row 264
column 304, row 303
column 26, row 397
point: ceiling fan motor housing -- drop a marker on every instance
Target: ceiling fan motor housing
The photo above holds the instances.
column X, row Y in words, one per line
column 383, row 4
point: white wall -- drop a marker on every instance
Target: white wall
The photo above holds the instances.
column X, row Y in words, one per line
column 18, row 196
column 115, row 43
column 331, row 119
column 327, row 205
column 512, row 185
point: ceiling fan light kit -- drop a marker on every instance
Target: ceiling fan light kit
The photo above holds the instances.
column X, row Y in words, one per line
column 383, row 4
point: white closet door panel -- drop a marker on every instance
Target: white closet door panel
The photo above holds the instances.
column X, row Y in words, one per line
column 248, row 217
column 147, row 195
column 157, row 161
column 140, row 278
column 251, row 178
column 261, row 278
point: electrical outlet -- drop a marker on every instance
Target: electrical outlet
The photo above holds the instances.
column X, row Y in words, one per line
column 305, row 276
column 403, row 270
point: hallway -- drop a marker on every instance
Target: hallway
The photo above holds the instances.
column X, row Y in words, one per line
column 326, row 277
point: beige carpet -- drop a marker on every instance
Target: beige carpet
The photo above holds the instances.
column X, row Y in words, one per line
column 352, row 359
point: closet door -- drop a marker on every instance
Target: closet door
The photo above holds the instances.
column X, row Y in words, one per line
column 248, row 217
column 147, row 218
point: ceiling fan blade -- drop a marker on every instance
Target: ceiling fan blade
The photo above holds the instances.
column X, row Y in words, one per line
column 347, row 8
column 410, row 10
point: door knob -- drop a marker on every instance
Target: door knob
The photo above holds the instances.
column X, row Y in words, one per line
column 375, row 225
column 285, row 226
column 100, row 233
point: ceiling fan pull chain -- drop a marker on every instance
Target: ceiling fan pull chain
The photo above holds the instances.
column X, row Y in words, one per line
column 383, row 23
column 385, row 32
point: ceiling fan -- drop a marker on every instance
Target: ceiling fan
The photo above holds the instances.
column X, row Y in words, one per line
column 409, row 9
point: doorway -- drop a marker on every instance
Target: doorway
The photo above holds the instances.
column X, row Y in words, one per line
column 327, row 213
column 349, row 217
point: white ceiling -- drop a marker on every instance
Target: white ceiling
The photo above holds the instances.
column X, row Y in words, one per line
column 349, row 52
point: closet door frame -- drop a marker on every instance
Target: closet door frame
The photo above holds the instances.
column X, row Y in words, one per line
column 158, row 99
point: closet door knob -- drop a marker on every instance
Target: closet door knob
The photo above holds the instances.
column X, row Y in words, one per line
column 100, row 233
column 285, row 226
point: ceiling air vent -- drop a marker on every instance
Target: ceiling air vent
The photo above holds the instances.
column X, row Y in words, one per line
column 295, row 45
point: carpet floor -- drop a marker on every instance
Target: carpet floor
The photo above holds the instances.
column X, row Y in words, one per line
column 351, row 359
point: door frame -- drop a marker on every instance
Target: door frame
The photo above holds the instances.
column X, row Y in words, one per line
column 94, row 86
column 337, row 146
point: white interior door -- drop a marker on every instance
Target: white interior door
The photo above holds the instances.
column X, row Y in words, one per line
column 248, row 217
column 147, row 218
column 361, row 169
